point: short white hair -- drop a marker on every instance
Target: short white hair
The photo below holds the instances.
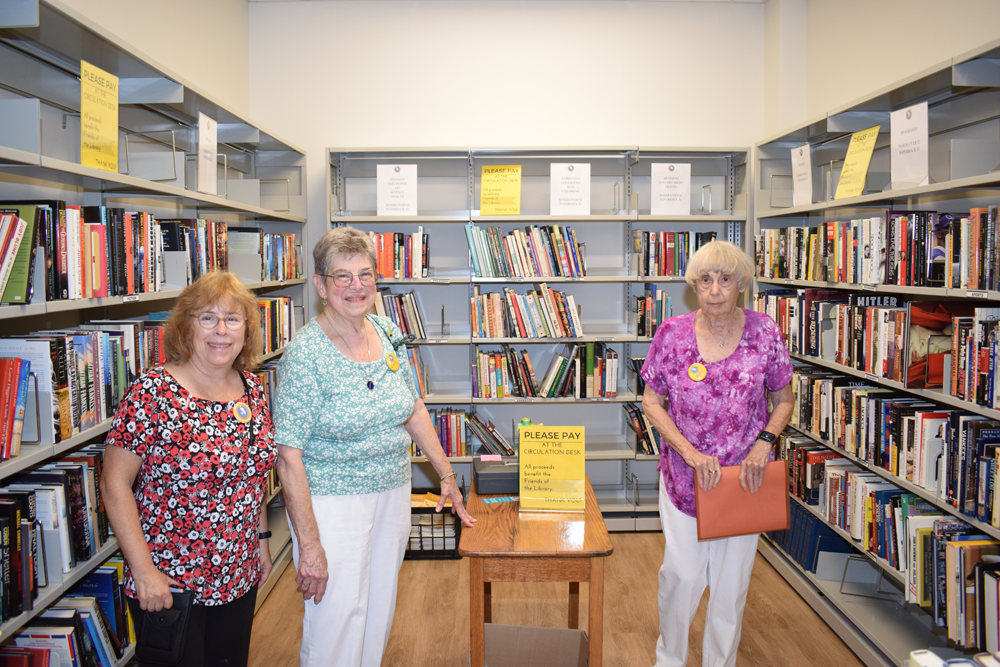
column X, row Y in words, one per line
column 722, row 257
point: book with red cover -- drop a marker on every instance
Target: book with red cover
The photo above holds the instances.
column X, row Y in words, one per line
column 728, row 510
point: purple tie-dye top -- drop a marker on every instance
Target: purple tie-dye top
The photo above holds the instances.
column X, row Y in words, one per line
column 721, row 415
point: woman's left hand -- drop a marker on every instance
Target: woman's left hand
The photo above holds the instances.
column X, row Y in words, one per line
column 265, row 561
column 449, row 489
column 752, row 468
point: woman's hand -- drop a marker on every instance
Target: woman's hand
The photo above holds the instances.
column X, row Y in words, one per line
column 752, row 468
column 311, row 575
column 706, row 469
column 449, row 489
column 265, row 561
column 152, row 587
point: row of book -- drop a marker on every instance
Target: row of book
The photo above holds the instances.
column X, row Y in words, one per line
column 542, row 252
column 419, row 371
column 280, row 254
column 449, row 424
column 806, row 537
column 922, row 344
column 647, row 438
column 15, row 375
column 99, row 251
column 85, row 251
column 665, row 253
column 51, row 518
column 489, row 437
column 587, row 370
column 541, row 313
column 912, row 248
column 950, row 453
column 277, row 322
column 79, row 375
column 650, row 309
column 267, row 373
column 935, row 551
column 401, row 255
column 91, row 626
column 403, row 311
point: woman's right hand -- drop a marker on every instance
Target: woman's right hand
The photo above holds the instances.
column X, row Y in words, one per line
column 706, row 469
column 312, row 574
column 153, row 589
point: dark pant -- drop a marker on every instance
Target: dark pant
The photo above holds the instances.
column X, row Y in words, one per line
column 216, row 636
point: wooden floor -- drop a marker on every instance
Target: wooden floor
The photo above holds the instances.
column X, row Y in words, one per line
column 432, row 615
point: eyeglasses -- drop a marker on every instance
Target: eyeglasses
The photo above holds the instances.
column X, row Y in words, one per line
column 345, row 278
column 210, row 321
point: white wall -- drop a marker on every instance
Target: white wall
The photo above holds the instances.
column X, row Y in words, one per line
column 504, row 73
column 785, row 68
column 206, row 42
column 859, row 46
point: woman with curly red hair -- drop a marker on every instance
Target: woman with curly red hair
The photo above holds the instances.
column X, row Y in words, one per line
column 185, row 472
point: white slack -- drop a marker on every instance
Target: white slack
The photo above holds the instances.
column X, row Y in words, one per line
column 723, row 565
column 364, row 537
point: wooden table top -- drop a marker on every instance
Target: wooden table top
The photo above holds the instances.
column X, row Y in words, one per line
column 503, row 530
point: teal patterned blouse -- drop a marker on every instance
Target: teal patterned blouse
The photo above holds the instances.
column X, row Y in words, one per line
column 352, row 438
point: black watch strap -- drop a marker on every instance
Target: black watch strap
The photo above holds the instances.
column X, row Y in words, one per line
column 767, row 437
column 264, row 536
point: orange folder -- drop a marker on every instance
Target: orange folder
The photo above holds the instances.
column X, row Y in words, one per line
column 728, row 510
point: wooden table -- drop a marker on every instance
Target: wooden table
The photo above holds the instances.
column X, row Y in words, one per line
column 508, row 545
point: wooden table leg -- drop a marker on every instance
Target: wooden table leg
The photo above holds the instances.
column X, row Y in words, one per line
column 487, row 602
column 595, row 629
column 574, row 605
column 476, row 612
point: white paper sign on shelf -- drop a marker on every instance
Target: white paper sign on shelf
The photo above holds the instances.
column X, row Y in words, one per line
column 908, row 137
column 208, row 146
column 569, row 188
column 802, row 179
column 396, row 189
column 671, row 188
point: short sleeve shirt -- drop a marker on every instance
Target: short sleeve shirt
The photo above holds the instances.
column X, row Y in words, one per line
column 353, row 438
column 201, row 485
column 722, row 414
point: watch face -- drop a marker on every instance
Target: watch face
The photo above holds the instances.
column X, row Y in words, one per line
column 767, row 436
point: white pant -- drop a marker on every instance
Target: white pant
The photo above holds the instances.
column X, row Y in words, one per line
column 364, row 537
column 688, row 565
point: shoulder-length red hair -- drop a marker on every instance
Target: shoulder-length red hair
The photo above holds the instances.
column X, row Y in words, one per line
column 204, row 294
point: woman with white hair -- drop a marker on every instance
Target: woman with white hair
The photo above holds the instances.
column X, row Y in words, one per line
column 716, row 366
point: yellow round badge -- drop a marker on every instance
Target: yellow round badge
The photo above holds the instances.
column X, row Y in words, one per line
column 392, row 361
column 697, row 372
column 242, row 412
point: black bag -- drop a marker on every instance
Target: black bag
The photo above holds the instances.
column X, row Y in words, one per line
column 160, row 634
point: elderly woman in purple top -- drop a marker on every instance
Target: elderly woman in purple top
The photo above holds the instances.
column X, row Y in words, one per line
column 717, row 367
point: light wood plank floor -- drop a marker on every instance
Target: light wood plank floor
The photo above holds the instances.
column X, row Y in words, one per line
column 431, row 627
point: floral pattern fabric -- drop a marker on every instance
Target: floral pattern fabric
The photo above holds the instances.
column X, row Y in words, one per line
column 722, row 414
column 201, row 484
column 353, row 438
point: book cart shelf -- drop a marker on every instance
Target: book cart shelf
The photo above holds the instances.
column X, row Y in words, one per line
column 448, row 196
column 963, row 96
column 261, row 178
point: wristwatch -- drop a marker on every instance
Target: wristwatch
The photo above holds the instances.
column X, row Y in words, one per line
column 767, row 437
column 264, row 536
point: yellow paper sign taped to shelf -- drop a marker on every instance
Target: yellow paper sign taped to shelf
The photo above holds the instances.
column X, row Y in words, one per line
column 98, row 118
column 855, row 171
column 552, row 468
column 500, row 190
